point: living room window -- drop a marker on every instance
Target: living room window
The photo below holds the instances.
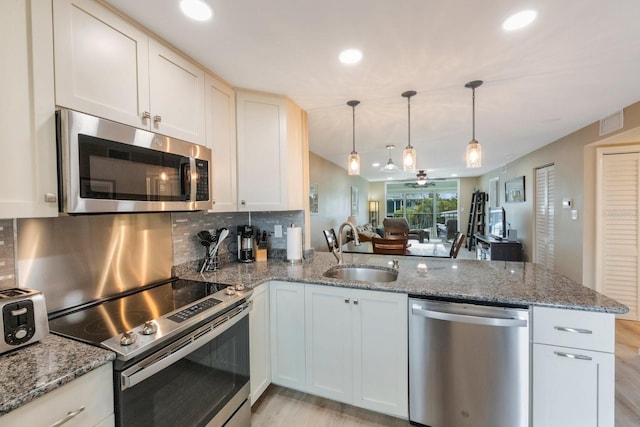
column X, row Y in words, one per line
column 432, row 207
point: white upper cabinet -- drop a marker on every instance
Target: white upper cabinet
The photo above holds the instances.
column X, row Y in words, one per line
column 272, row 153
column 220, row 108
column 262, row 151
column 28, row 179
column 176, row 95
column 107, row 67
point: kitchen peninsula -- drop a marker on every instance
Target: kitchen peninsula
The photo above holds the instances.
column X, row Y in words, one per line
column 487, row 282
column 308, row 344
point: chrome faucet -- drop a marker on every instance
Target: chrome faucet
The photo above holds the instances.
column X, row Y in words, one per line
column 355, row 238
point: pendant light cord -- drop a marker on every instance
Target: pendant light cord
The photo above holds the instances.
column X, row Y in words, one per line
column 409, row 120
column 353, row 110
column 473, row 113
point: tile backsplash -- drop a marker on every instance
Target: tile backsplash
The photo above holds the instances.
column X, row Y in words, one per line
column 7, row 255
column 187, row 247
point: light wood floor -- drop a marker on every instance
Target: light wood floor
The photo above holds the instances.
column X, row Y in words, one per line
column 279, row 406
column 627, row 373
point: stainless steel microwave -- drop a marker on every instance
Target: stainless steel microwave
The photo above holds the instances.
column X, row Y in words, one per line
column 104, row 166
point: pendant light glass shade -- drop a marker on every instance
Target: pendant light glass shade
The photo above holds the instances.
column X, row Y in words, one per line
column 474, row 154
column 474, row 149
column 353, row 163
column 409, row 154
column 390, row 166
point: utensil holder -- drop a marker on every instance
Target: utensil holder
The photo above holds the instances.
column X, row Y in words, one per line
column 210, row 262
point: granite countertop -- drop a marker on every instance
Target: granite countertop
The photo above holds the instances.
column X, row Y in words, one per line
column 497, row 282
column 31, row 371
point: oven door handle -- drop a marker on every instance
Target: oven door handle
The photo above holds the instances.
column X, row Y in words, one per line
column 176, row 351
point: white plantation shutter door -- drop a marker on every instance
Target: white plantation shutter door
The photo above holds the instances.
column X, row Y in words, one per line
column 618, row 239
column 545, row 199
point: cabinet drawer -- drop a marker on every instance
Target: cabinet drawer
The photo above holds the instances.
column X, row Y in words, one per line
column 93, row 391
column 574, row 328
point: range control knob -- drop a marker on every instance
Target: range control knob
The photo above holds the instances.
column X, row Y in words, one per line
column 149, row 328
column 127, row 338
column 229, row 290
column 239, row 286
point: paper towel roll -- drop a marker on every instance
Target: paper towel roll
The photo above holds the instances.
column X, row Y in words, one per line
column 294, row 244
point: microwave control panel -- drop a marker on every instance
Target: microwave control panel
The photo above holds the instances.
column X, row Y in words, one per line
column 202, row 180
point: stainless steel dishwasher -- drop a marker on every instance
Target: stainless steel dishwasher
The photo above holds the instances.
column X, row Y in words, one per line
column 468, row 365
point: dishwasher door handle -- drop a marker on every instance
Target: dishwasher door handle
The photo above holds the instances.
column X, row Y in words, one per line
column 477, row 320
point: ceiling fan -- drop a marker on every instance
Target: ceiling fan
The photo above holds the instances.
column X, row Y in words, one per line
column 421, row 181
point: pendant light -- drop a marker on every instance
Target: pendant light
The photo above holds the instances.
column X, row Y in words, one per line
column 474, row 149
column 390, row 167
column 409, row 153
column 422, row 177
column 353, row 164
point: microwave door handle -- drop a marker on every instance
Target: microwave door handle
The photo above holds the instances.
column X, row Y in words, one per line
column 140, row 372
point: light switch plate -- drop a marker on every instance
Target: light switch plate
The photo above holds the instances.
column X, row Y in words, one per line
column 277, row 230
column 574, row 214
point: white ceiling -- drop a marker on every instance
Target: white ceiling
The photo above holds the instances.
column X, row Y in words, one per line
column 577, row 63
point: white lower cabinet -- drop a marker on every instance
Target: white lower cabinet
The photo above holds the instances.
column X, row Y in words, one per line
column 90, row 397
column 287, row 334
column 573, row 374
column 356, row 347
column 260, row 349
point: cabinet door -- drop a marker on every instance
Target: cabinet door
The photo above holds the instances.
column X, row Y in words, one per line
column 572, row 387
column 176, row 95
column 329, row 342
column 101, row 62
column 220, row 110
column 380, row 352
column 28, row 149
column 287, row 334
column 259, row 342
column 262, row 152
column 90, row 397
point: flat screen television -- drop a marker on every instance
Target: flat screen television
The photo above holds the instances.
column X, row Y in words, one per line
column 497, row 223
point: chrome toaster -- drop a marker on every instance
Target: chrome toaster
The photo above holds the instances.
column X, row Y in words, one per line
column 24, row 318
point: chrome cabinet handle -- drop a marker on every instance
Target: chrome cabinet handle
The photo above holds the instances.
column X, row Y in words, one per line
column 355, row 301
column 243, row 202
column 157, row 118
column 574, row 330
column 146, row 115
column 572, row 356
column 346, row 300
column 70, row 415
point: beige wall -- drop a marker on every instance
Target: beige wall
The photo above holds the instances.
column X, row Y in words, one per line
column 575, row 166
column 334, row 198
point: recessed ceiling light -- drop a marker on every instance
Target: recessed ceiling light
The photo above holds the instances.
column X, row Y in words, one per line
column 454, row 174
column 375, row 165
column 196, row 9
column 350, row 56
column 519, row 20
column 389, row 177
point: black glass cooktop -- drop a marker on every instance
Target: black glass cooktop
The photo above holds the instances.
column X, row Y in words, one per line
column 100, row 322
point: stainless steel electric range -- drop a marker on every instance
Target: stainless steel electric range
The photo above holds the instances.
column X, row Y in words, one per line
column 182, row 351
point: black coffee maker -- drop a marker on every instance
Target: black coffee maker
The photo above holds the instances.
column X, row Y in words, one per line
column 246, row 243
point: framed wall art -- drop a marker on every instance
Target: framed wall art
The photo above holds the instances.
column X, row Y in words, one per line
column 514, row 190
column 313, row 198
column 355, row 201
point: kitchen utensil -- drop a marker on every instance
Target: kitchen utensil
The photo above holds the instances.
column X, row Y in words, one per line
column 207, row 257
column 223, row 235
